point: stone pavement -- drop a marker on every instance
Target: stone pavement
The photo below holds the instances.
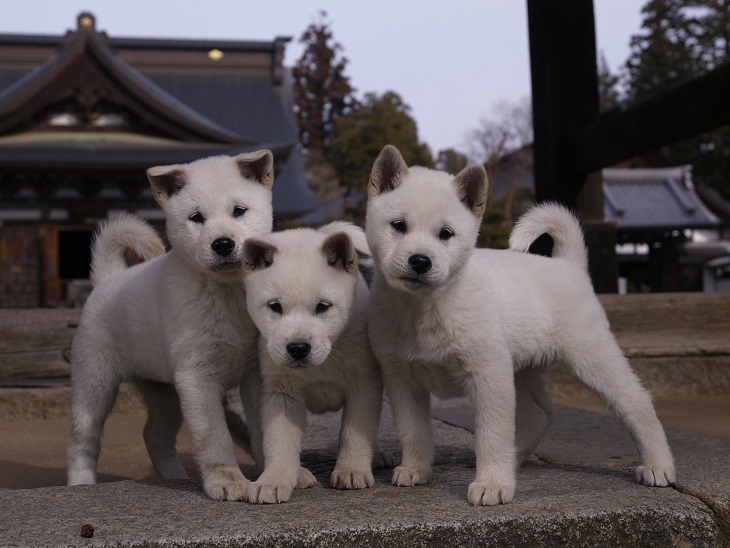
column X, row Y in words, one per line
column 578, row 490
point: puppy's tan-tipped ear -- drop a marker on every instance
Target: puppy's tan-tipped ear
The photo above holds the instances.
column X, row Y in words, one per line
column 257, row 255
column 471, row 184
column 166, row 181
column 340, row 252
column 388, row 171
column 257, row 166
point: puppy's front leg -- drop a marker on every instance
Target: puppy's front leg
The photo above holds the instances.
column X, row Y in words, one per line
column 360, row 419
column 411, row 404
column 284, row 418
column 491, row 389
column 202, row 406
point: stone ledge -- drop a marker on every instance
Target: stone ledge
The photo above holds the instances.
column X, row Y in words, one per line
column 21, row 403
column 579, row 491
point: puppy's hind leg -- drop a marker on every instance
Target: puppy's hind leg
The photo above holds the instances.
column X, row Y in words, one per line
column 534, row 410
column 163, row 423
column 93, row 393
column 601, row 366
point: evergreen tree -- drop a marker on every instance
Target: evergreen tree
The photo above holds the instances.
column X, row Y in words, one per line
column 359, row 137
column 609, row 95
column 680, row 41
column 322, row 91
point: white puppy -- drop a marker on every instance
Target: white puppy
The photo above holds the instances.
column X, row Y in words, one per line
column 308, row 300
column 451, row 320
column 177, row 324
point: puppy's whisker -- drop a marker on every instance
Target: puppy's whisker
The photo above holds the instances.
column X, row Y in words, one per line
column 340, row 358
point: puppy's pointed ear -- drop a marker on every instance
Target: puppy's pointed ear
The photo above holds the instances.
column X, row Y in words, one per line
column 340, row 252
column 257, row 255
column 471, row 184
column 166, row 181
column 257, row 166
column 388, row 171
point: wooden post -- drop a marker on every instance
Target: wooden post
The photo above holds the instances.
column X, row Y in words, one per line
column 565, row 101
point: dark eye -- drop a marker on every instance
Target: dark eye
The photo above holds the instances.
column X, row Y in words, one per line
column 274, row 306
column 197, row 217
column 322, row 307
column 445, row 234
column 238, row 211
column 400, row 226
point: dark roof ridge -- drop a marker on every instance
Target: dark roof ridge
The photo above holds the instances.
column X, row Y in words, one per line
column 16, row 100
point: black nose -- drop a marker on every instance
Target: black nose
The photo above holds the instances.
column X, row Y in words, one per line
column 419, row 263
column 223, row 246
column 298, row 350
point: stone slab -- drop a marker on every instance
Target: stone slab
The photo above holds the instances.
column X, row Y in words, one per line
column 574, row 493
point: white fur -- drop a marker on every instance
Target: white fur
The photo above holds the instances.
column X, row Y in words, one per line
column 114, row 237
column 338, row 372
column 177, row 324
column 488, row 324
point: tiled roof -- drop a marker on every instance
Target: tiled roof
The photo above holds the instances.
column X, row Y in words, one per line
column 654, row 199
column 224, row 109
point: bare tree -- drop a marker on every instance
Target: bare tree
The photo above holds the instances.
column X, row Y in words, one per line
column 497, row 141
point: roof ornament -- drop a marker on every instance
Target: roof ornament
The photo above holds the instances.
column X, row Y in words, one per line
column 86, row 21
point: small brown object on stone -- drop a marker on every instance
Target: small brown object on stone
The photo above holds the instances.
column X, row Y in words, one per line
column 87, row 530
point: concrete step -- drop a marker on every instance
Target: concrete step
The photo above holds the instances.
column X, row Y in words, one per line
column 578, row 490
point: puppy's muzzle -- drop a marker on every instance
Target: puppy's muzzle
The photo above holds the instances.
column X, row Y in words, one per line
column 420, row 263
column 223, row 246
column 298, row 350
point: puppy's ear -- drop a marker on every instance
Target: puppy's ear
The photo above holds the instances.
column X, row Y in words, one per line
column 257, row 166
column 340, row 252
column 257, row 255
column 166, row 181
column 388, row 171
column 471, row 184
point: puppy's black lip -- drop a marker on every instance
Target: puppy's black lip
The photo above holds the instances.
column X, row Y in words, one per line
column 228, row 266
column 414, row 281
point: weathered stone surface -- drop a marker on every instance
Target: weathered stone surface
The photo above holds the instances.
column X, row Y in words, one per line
column 55, row 401
column 664, row 376
column 573, row 494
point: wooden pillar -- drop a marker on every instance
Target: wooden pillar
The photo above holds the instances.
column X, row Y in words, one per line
column 50, row 282
column 564, row 102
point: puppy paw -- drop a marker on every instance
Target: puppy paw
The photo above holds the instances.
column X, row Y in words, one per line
column 305, row 479
column 382, row 459
column 81, row 477
column 482, row 494
column 407, row 477
column 352, row 479
column 657, row 475
column 225, row 483
column 259, row 492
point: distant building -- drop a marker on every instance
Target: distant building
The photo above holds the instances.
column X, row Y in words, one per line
column 82, row 116
column 665, row 233
column 668, row 238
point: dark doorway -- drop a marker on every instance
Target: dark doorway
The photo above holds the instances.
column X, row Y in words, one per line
column 74, row 254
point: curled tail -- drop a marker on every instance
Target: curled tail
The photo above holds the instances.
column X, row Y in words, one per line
column 355, row 232
column 114, row 237
column 364, row 258
column 562, row 226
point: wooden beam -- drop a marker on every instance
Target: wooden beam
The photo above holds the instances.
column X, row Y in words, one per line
column 678, row 113
column 564, row 91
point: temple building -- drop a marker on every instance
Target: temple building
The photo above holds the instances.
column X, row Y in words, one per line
column 82, row 117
